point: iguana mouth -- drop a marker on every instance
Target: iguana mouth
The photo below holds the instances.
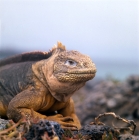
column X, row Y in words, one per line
column 82, row 71
column 75, row 77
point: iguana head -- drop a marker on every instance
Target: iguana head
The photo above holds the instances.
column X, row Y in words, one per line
column 66, row 71
column 72, row 66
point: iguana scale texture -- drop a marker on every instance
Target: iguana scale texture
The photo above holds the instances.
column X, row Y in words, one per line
column 44, row 82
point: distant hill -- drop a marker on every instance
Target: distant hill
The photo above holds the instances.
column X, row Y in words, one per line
column 7, row 53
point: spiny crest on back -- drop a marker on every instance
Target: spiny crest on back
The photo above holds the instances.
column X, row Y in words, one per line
column 31, row 56
column 59, row 46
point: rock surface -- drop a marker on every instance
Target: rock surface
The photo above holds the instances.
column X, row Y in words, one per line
column 38, row 130
column 3, row 124
column 50, row 130
column 99, row 96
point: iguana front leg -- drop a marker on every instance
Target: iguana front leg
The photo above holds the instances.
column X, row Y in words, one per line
column 27, row 100
column 24, row 102
column 69, row 110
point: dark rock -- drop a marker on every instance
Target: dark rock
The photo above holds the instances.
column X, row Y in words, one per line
column 3, row 124
column 39, row 129
column 128, row 137
column 95, row 132
column 109, row 96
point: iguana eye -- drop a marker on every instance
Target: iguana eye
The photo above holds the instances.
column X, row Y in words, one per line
column 70, row 63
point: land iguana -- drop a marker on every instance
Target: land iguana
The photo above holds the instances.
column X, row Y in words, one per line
column 44, row 82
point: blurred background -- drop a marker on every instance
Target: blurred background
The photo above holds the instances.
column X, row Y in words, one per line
column 106, row 30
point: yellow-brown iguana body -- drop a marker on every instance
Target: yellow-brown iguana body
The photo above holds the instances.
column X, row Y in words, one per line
column 45, row 83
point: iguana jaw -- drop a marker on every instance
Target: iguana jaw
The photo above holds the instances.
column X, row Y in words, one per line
column 72, row 76
column 83, row 71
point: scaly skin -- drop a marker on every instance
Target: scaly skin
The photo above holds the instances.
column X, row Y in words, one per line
column 44, row 86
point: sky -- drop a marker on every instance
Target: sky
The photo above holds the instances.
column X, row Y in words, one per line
column 106, row 30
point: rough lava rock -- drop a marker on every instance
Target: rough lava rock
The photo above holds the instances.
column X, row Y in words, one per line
column 39, row 129
column 109, row 95
column 3, row 124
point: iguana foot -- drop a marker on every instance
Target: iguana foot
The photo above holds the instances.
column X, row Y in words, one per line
column 65, row 122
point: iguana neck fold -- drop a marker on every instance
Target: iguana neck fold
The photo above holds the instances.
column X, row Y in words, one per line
column 61, row 91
